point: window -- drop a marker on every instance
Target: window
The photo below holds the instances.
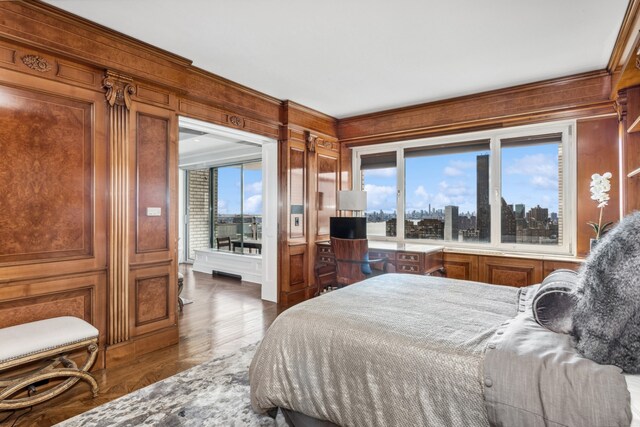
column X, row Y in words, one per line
column 380, row 181
column 451, row 201
column 236, row 203
column 507, row 189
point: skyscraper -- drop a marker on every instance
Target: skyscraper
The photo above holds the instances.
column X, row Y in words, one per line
column 483, row 209
column 520, row 211
column 451, row 223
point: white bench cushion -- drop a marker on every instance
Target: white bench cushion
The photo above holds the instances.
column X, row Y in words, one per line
column 35, row 337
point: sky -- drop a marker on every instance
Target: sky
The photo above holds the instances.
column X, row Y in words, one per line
column 229, row 191
column 529, row 177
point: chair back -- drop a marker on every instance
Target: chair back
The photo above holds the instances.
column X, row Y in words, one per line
column 349, row 255
column 223, row 242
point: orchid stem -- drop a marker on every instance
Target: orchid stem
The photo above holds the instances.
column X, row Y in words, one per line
column 599, row 224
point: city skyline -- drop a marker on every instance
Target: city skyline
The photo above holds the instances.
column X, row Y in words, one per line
column 450, row 179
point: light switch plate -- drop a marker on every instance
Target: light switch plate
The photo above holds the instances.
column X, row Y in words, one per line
column 154, row 211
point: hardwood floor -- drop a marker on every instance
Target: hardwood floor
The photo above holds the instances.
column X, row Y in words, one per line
column 225, row 316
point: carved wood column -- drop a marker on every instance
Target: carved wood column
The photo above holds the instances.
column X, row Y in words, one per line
column 119, row 91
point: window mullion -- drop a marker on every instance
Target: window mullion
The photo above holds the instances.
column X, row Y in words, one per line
column 495, row 196
column 400, row 187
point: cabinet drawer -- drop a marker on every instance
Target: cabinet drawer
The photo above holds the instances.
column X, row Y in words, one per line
column 327, row 259
column 380, row 254
column 409, row 268
column 409, row 257
column 325, row 250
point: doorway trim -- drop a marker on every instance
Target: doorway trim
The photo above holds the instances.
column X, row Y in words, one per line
column 269, row 283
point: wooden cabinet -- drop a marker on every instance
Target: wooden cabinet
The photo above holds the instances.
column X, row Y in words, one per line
column 411, row 262
column 461, row 266
column 509, row 271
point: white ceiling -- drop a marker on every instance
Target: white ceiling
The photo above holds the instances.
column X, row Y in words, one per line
column 347, row 57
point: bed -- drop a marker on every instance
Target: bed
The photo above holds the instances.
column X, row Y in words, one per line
column 402, row 350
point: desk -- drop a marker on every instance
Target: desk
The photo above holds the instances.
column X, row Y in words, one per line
column 247, row 243
column 411, row 258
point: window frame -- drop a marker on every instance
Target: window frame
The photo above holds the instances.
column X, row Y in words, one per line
column 569, row 201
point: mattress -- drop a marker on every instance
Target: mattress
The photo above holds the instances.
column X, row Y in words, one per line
column 633, row 384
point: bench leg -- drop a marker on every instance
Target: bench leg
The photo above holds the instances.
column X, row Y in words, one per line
column 73, row 375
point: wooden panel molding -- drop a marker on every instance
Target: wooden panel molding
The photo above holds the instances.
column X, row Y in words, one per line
column 152, row 299
column 73, row 302
column 509, row 271
column 119, row 91
column 152, row 175
column 461, row 266
column 569, row 97
column 597, row 152
column 47, row 181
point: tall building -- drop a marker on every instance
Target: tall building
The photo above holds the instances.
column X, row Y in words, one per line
column 539, row 214
column 451, row 223
column 520, row 211
column 483, row 209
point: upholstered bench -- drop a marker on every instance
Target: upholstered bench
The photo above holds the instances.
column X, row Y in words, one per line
column 46, row 343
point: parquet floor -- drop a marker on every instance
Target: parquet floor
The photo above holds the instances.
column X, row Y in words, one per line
column 225, row 316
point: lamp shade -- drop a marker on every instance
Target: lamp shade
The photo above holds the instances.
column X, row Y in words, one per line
column 352, row 200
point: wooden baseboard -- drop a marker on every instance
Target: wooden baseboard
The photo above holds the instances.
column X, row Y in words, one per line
column 122, row 353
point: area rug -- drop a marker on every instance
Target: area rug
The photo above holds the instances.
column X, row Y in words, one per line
column 215, row 393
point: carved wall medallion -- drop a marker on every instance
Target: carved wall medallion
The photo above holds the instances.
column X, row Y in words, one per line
column 37, row 63
column 311, row 141
column 119, row 89
column 638, row 62
column 236, row 121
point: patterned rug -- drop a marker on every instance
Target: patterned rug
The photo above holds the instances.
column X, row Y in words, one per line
column 215, row 393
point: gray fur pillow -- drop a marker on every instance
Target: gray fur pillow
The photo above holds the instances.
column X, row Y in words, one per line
column 606, row 319
column 554, row 301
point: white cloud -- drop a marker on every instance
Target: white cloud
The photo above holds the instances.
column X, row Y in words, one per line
column 383, row 173
column 544, row 182
column 451, row 171
column 380, row 197
column 534, row 164
column 253, row 204
column 222, row 206
column 421, row 192
column 253, row 188
column 461, row 164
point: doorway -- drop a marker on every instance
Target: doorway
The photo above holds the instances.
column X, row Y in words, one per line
column 228, row 203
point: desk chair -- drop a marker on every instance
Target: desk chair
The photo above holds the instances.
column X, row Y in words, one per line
column 353, row 263
column 223, row 242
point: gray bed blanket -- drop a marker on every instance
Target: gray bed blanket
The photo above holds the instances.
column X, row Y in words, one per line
column 394, row 350
column 536, row 378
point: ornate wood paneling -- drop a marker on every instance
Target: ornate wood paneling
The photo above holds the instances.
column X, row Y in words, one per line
column 509, row 271
column 597, row 144
column 76, row 303
column 569, row 97
column 152, row 299
column 46, row 181
column 630, row 138
column 152, row 167
column 461, row 266
column 119, row 90
column 297, row 191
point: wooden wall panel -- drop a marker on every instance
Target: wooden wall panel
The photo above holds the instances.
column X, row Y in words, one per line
column 297, row 192
column 152, row 299
column 629, row 134
column 152, row 164
column 46, row 181
column 509, row 271
column 597, row 144
column 587, row 95
column 461, row 266
column 327, row 187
